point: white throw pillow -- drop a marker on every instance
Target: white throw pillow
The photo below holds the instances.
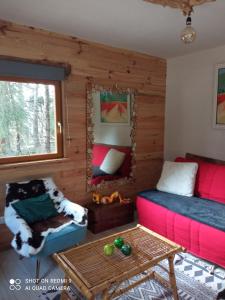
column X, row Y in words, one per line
column 178, row 178
column 112, row 161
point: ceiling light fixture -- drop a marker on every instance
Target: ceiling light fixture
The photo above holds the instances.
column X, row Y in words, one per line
column 188, row 35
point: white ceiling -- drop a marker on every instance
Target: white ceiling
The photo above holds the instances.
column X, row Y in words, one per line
column 130, row 24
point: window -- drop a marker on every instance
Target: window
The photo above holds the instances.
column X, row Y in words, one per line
column 30, row 119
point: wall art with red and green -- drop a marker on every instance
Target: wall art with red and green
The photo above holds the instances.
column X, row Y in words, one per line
column 114, row 107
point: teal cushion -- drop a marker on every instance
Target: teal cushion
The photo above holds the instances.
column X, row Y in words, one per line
column 35, row 209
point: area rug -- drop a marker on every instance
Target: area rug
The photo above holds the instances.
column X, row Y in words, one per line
column 194, row 282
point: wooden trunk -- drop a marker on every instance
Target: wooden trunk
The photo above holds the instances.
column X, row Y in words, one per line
column 106, row 216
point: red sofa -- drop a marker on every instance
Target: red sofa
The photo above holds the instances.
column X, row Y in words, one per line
column 199, row 238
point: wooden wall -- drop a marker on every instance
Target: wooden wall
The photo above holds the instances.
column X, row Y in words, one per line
column 104, row 66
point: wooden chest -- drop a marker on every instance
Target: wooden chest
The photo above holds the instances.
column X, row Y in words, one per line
column 106, row 216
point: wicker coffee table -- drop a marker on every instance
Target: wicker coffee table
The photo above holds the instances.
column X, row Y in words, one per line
column 93, row 273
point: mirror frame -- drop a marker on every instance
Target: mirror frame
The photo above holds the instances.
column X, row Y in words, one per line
column 90, row 138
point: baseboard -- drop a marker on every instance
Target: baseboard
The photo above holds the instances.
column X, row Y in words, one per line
column 2, row 220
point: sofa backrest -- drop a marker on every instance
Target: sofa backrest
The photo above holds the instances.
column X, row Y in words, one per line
column 210, row 179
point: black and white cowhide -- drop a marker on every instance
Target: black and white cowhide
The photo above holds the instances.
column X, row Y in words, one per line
column 26, row 241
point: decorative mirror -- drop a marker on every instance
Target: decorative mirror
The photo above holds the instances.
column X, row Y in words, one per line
column 111, row 123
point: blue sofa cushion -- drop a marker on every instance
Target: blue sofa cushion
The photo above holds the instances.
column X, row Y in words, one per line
column 202, row 210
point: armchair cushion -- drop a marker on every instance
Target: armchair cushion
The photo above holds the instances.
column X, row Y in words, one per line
column 35, row 209
column 65, row 238
column 27, row 241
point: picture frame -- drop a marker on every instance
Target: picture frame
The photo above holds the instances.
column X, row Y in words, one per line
column 219, row 97
column 114, row 108
column 93, row 121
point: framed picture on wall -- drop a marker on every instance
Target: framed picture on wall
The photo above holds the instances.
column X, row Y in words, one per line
column 114, row 108
column 219, row 98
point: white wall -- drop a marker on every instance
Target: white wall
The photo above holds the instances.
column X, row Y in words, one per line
column 110, row 134
column 189, row 105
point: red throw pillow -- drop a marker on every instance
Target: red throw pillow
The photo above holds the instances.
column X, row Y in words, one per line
column 125, row 169
column 209, row 180
column 99, row 153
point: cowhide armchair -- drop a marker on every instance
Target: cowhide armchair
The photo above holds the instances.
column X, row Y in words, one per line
column 44, row 237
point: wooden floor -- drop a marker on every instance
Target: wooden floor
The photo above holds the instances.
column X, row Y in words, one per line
column 11, row 267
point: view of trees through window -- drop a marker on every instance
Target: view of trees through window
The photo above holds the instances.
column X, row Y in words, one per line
column 27, row 119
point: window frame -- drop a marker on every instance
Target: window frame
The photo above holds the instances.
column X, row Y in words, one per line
column 58, row 122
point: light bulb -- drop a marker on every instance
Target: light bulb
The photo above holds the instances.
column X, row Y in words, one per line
column 188, row 35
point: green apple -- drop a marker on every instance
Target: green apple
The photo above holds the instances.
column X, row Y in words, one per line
column 126, row 249
column 109, row 249
column 118, row 242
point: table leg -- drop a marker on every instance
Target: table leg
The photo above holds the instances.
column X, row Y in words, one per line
column 172, row 278
column 38, row 264
column 105, row 295
column 64, row 294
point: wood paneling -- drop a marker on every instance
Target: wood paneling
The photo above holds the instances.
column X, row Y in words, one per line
column 105, row 66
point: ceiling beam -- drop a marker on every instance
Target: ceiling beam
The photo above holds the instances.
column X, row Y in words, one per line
column 186, row 6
